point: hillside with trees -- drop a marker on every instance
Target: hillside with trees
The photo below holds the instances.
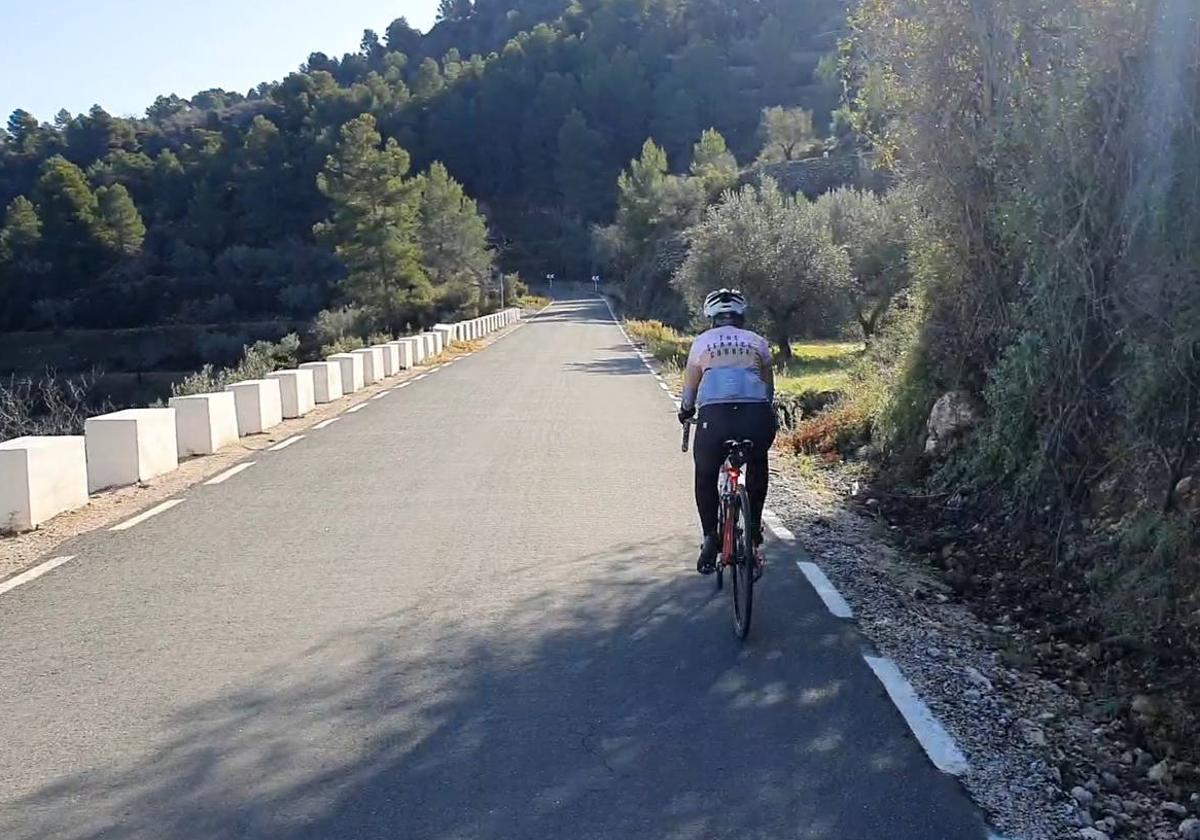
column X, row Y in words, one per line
column 234, row 214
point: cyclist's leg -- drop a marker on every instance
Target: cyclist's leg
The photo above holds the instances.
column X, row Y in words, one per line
column 708, row 454
column 760, row 428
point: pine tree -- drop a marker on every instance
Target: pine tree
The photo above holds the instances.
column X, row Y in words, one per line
column 22, row 231
column 429, row 81
column 639, row 189
column 453, row 237
column 583, row 181
column 120, row 223
column 373, row 227
column 70, row 216
column 713, row 163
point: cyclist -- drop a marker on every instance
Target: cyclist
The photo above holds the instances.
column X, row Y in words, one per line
column 729, row 377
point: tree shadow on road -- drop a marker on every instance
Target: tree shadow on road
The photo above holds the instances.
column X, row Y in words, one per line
column 628, row 365
column 628, row 711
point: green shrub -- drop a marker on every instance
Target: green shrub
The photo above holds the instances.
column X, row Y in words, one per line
column 259, row 359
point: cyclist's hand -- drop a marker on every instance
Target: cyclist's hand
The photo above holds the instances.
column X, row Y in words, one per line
column 686, row 414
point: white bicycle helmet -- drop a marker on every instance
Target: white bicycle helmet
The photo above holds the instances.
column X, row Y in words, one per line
column 724, row 302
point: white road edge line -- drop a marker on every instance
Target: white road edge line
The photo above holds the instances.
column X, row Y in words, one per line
column 777, row 527
column 934, row 739
column 229, row 473
column 34, row 573
column 828, row 593
column 359, row 407
column 325, row 424
column 282, row 445
column 142, row 517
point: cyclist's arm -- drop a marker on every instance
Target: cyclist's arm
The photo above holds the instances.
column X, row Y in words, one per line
column 766, row 370
column 692, row 375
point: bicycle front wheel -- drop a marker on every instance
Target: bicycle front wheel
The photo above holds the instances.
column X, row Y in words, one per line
column 743, row 568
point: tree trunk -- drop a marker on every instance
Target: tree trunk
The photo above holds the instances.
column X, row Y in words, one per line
column 785, row 347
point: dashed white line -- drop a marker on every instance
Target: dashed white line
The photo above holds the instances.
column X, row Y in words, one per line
column 933, row 737
column 381, row 395
column 664, row 386
column 282, row 445
column 34, row 573
column 422, row 376
column 828, row 593
column 229, row 473
column 403, row 385
column 325, row 424
column 356, row 408
column 142, row 517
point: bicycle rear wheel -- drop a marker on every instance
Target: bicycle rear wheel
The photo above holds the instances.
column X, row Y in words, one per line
column 742, row 573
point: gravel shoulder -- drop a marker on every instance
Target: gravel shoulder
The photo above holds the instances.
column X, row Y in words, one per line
column 1045, row 761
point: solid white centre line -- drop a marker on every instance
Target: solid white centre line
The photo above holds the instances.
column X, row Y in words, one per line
column 356, row 408
column 282, row 445
column 34, row 573
column 934, row 739
column 229, row 473
column 828, row 592
column 325, row 424
column 142, row 517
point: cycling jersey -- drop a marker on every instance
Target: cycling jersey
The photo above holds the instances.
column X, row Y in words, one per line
column 730, row 362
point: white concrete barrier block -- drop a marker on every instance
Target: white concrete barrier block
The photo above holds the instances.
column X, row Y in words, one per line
column 406, row 351
column 129, row 446
column 352, row 371
column 297, row 391
column 205, row 423
column 41, row 477
column 434, row 343
column 259, row 405
column 422, row 347
column 447, row 333
column 372, row 362
column 391, row 358
column 327, row 380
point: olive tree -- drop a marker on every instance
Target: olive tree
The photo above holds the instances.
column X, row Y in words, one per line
column 776, row 248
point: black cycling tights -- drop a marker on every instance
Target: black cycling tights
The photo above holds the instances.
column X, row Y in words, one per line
column 732, row 421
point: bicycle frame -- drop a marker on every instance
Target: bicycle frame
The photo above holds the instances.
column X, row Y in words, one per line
column 731, row 478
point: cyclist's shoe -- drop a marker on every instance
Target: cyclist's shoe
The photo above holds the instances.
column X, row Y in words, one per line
column 706, row 564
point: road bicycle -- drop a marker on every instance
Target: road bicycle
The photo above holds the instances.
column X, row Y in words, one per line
column 733, row 525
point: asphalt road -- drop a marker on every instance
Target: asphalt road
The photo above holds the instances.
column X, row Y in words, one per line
column 467, row 611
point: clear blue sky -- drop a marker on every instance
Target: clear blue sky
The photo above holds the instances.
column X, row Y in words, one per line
column 121, row 54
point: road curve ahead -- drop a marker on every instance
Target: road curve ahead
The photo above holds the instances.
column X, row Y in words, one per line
column 467, row 611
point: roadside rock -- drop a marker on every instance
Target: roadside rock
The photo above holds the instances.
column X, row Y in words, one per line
column 952, row 415
column 1187, row 493
column 1093, row 834
column 1160, row 773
